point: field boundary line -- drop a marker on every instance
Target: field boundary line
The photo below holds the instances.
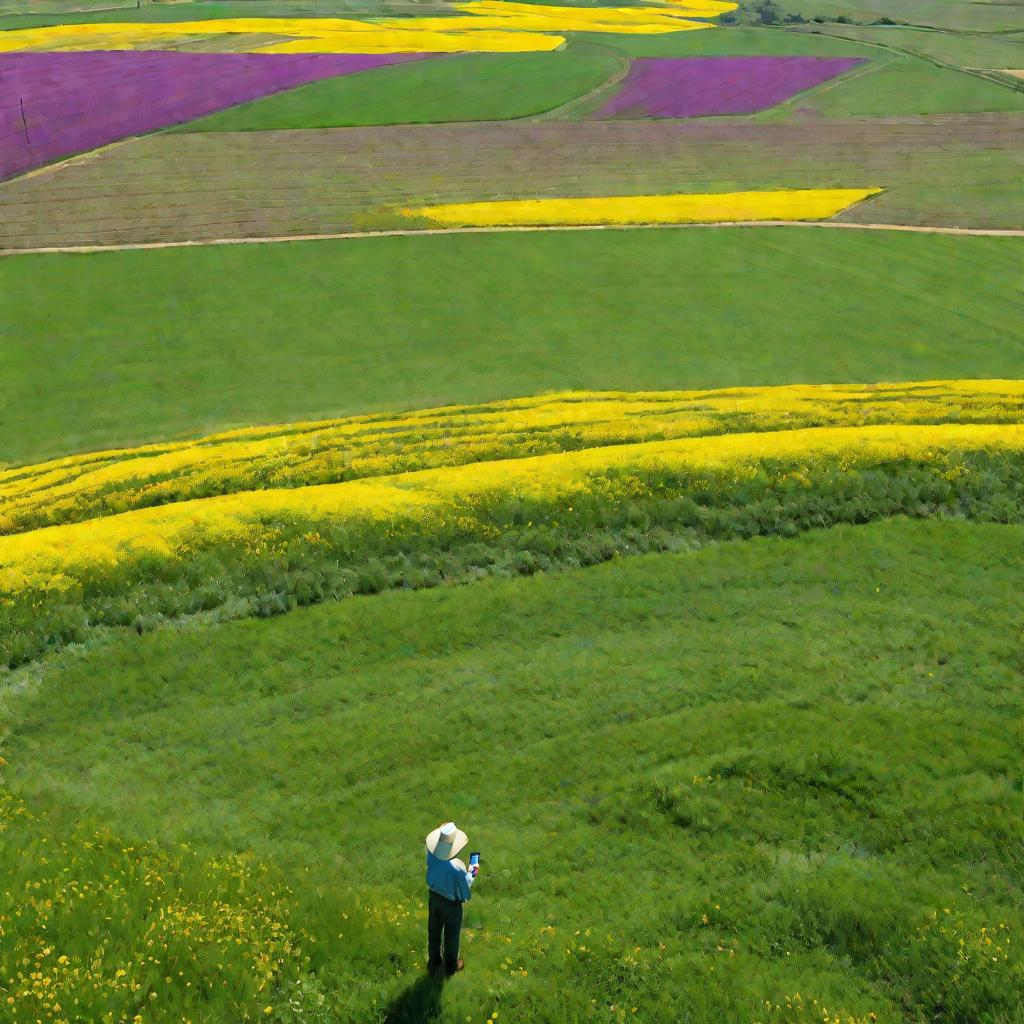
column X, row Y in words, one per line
column 588, row 97
column 985, row 74
column 417, row 232
column 787, row 107
column 75, row 158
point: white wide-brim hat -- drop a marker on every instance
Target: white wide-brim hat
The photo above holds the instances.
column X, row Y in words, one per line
column 446, row 840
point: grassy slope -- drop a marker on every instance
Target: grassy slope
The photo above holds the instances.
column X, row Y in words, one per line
column 812, row 742
column 121, row 348
column 473, row 87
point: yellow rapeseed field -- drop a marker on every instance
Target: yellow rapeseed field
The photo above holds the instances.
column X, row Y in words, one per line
column 291, row 455
column 261, row 519
column 491, row 26
column 684, row 208
column 57, row 558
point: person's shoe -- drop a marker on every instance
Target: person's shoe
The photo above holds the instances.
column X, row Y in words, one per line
column 435, row 971
column 459, row 965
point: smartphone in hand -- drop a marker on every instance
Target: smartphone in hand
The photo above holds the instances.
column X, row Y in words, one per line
column 474, row 862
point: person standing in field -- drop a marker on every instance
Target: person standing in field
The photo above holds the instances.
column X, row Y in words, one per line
column 449, row 882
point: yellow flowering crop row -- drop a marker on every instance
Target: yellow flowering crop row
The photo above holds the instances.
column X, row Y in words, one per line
column 313, row 35
column 62, row 560
column 493, row 26
column 266, row 458
column 696, row 208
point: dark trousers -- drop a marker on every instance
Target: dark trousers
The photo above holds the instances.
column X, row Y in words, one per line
column 445, row 918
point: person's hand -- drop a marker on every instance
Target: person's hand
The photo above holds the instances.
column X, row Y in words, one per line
column 475, row 868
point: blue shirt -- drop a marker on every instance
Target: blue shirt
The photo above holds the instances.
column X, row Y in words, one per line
column 449, row 878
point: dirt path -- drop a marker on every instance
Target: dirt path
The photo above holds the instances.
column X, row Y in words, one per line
column 414, row 232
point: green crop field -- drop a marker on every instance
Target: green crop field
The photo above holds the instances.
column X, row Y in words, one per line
column 894, row 85
column 481, row 87
column 958, row 48
column 143, row 367
column 674, row 555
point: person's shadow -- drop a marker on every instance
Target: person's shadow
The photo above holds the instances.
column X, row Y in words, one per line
column 420, row 1003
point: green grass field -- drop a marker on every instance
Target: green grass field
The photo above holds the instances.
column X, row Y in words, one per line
column 468, row 87
column 475, row 87
column 126, row 347
column 894, row 85
column 699, row 781
column 961, row 49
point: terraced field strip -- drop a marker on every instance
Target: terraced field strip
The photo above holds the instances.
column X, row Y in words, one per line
column 945, row 171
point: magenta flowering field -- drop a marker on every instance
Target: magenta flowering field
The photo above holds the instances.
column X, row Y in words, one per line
column 704, row 86
column 57, row 104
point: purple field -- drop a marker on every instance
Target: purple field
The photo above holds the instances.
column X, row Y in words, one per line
column 56, row 104
column 705, row 86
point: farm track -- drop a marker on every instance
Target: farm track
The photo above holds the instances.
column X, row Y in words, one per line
column 958, row 171
column 413, row 232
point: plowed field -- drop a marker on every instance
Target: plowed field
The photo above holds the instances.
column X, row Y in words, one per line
column 954, row 170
